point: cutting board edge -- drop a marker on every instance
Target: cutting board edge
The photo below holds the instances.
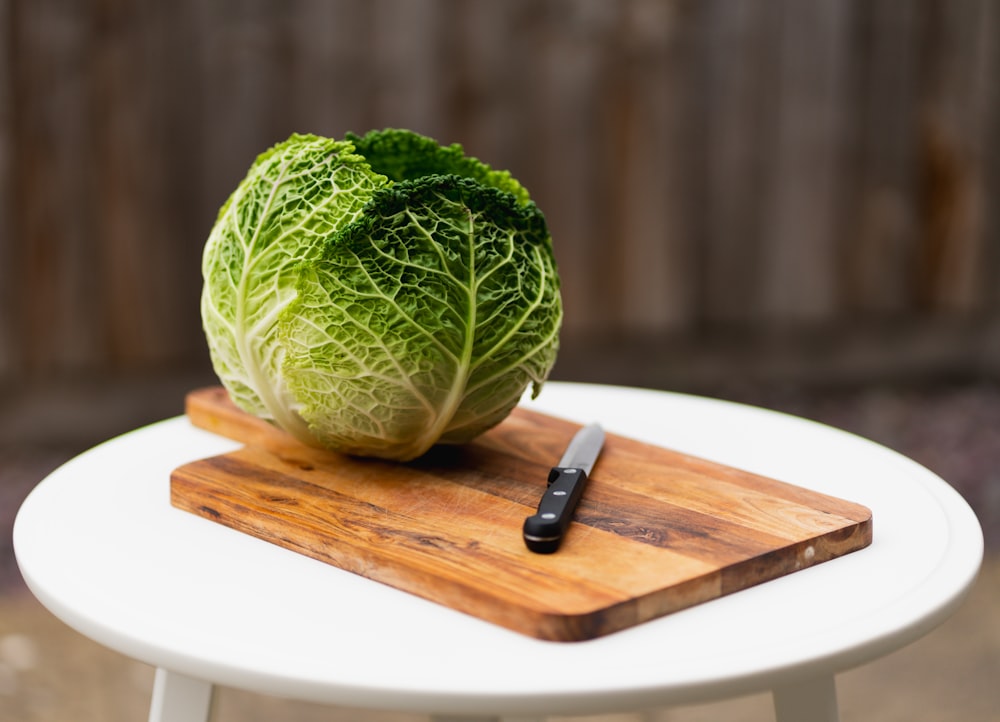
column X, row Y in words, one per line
column 525, row 619
column 577, row 626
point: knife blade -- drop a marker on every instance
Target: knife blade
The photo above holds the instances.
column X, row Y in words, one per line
column 544, row 531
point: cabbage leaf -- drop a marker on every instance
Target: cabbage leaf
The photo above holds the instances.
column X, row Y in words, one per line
column 381, row 294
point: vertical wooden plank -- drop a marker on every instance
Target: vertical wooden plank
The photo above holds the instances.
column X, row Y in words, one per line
column 950, row 252
column 8, row 302
column 409, row 69
column 178, row 212
column 881, row 204
column 741, row 88
column 988, row 70
column 134, row 255
column 245, row 57
column 569, row 103
column 53, row 274
column 655, row 180
column 801, row 227
column 333, row 67
column 493, row 57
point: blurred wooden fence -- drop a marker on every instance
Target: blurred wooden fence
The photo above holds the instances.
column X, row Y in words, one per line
column 702, row 164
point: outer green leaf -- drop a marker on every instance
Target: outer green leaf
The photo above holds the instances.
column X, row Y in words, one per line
column 295, row 196
column 424, row 320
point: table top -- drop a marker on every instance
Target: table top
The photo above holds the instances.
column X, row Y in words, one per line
column 99, row 545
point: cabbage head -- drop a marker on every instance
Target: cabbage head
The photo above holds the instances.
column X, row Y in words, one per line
column 381, row 294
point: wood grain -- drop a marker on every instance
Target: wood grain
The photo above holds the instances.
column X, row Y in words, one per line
column 656, row 531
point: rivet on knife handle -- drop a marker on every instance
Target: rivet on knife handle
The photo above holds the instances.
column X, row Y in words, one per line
column 544, row 531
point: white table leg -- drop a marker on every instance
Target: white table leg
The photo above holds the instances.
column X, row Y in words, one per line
column 179, row 698
column 812, row 700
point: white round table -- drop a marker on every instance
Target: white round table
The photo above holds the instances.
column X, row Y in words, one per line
column 101, row 547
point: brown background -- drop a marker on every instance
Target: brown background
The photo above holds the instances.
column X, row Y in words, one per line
column 806, row 186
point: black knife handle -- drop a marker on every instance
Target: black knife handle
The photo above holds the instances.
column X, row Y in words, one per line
column 544, row 531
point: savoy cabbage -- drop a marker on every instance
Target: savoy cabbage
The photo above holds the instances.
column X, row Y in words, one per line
column 379, row 294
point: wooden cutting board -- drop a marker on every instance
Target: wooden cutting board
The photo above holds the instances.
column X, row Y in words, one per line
column 655, row 532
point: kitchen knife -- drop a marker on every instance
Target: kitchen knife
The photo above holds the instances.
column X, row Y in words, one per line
column 544, row 531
